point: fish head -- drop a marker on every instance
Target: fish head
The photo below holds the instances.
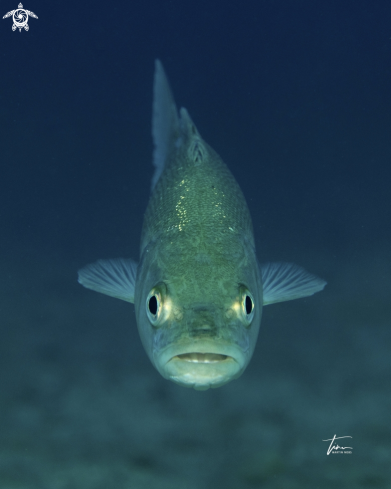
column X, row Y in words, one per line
column 198, row 321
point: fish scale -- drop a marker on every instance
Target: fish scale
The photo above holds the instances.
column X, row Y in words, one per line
column 197, row 208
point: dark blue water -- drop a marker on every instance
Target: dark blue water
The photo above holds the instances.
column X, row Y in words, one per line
column 295, row 97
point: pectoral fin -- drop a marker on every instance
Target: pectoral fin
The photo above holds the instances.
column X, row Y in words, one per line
column 116, row 278
column 286, row 281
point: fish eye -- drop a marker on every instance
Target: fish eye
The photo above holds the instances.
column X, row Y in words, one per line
column 154, row 306
column 158, row 305
column 247, row 306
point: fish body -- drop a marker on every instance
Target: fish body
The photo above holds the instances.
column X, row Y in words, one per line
column 198, row 289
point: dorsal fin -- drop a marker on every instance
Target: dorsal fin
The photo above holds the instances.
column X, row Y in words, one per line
column 165, row 122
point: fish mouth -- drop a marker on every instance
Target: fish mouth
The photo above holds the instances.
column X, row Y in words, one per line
column 201, row 366
column 196, row 357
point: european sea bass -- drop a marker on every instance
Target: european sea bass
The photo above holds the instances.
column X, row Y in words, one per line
column 198, row 289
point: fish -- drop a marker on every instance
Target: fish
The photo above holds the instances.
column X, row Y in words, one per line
column 198, row 289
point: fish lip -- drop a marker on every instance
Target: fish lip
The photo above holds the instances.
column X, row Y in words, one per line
column 201, row 364
column 207, row 352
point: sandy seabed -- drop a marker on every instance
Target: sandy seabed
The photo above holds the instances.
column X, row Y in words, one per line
column 82, row 407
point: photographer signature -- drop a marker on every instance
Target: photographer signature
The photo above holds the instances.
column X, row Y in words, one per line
column 336, row 447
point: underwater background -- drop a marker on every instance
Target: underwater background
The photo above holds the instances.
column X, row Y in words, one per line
column 295, row 96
